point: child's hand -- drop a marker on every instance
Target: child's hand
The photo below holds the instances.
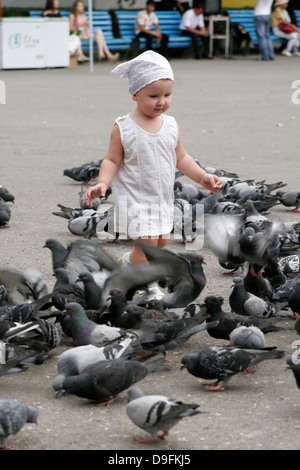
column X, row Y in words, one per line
column 211, row 182
column 95, row 191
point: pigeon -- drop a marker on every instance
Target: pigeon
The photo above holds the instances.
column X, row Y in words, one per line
column 85, row 331
column 87, row 222
column 261, row 247
column 186, row 278
column 247, row 337
column 15, row 357
column 23, row 287
column 244, row 303
column 92, row 291
column 156, row 413
column 5, row 214
column 171, row 331
column 221, row 363
column 39, row 334
column 293, row 364
column 96, row 203
column 289, row 199
column 73, row 361
column 222, row 235
column 102, row 381
column 85, row 225
column 217, row 171
column 294, row 298
column 84, row 173
column 65, row 291
column 290, row 265
column 297, row 326
column 6, row 195
column 187, row 191
column 22, row 312
column 229, row 321
column 253, row 216
column 13, row 416
column 293, row 230
column 80, row 255
column 255, row 283
column 184, row 224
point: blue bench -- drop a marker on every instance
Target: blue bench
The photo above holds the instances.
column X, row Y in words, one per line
column 246, row 18
column 100, row 20
column 169, row 22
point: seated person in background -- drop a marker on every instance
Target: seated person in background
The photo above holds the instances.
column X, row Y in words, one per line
column 144, row 22
column 166, row 5
column 51, row 9
column 192, row 24
column 79, row 24
column 281, row 20
column 74, row 44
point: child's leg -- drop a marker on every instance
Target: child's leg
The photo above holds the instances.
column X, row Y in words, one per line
column 137, row 255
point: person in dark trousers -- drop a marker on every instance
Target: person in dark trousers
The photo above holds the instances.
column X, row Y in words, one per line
column 192, row 24
column 144, row 23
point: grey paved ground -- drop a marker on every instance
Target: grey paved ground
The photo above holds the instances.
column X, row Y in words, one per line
column 235, row 114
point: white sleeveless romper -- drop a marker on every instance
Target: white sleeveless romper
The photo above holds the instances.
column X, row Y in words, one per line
column 143, row 186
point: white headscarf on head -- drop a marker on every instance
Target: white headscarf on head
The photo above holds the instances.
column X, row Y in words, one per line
column 146, row 68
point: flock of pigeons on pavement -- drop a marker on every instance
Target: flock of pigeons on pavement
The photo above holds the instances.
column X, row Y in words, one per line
column 120, row 335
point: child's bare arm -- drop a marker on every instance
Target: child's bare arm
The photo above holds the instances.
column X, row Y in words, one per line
column 109, row 167
column 187, row 165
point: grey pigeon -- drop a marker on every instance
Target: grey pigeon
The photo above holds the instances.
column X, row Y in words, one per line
column 6, row 195
column 92, row 291
column 87, row 224
column 290, row 265
column 73, row 361
column 13, row 416
column 294, row 298
column 255, row 283
column 293, row 364
column 85, row 172
column 293, row 230
column 222, row 235
column 253, row 216
column 65, row 291
column 221, row 363
column 259, row 246
column 297, row 326
column 289, row 199
column 102, row 381
column 244, row 303
column 15, row 357
column 23, row 287
column 22, row 312
column 5, row 214
column 229, row 321
column 248, row 337
column 86, row 331
column 156, row 413
column 171, row 331
column 186, row 277
column 80, row 255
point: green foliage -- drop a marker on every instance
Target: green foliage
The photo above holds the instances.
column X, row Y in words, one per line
column 15, row 12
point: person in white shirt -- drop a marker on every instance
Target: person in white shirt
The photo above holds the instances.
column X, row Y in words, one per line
column 262, row 22
column 192, row 24
column 144, row 23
